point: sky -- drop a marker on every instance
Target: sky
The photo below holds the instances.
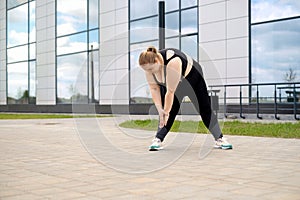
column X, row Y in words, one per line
column 275, row 47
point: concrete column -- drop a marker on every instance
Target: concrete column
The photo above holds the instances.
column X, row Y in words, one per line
column 114, row 84
column 223, row 40
column 3, row 81
column 45, row 53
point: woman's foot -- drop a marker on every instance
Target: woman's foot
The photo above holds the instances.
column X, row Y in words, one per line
column 222, row 143
column 156, row 145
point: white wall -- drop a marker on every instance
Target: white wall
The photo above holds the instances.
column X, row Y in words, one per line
column 224, row 43
column 3, row 98
column 45, row 48
column 223, row 36
column 114, row 84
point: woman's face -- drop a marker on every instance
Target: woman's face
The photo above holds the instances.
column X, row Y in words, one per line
column 152, row 68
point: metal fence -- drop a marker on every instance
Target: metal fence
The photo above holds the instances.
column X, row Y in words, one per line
column 275, row 98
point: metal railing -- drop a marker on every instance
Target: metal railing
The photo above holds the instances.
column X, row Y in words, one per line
column 275, row 95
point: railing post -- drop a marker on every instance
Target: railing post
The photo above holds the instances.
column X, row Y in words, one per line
column 241, row 104
column 275, row 102
column 225, row 107
column 92, row 77
column 295, row 103
column 257, row 103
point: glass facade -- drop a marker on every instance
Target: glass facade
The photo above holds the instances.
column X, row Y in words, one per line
column 77, row 43
column 21, row 42
column 275, row 44
column 181, row 21
column 275, row 48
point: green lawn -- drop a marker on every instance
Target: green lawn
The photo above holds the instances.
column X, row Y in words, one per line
column 44, row 116
column 280, row 130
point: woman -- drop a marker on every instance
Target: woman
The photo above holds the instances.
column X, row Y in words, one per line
column 171, row 76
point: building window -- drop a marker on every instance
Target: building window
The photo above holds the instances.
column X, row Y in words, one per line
column 181, row 19
column 275, row 48
column 77, row 43
column 21, row 43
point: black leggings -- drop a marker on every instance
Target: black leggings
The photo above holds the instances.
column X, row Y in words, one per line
column 193, row 86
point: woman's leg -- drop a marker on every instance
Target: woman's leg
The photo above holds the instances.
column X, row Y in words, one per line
column 201, row 100
column 162, row 132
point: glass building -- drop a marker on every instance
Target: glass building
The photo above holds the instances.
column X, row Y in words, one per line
column 54, row 54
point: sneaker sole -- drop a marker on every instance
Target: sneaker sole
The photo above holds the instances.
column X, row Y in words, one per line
column 227, row 147
column 155, row 149
column 223, row 147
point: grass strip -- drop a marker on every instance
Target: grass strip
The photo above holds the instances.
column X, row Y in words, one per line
column 278, row 130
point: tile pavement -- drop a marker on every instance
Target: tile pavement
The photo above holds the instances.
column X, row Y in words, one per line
column 95, row 159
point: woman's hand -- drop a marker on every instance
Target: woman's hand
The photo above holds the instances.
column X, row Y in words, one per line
column 166, row 117
column 163, row 117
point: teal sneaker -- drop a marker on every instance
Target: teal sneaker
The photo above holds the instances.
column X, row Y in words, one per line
column 156, row 145
column 222, row 143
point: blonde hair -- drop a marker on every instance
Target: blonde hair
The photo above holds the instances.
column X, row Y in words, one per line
column 148, row 56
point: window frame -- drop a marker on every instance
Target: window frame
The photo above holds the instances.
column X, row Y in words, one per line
column 179, row 36
column 29, row 44
column 87, row 50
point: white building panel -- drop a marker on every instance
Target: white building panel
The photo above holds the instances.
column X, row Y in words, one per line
column 237, row 8
column 212, row 13
column 45, row 57
column 3, row 97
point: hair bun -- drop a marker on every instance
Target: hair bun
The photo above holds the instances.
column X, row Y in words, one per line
column 152, row 49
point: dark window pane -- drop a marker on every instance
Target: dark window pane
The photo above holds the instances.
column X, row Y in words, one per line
column 17, row 54
column 140, row 92
column 17, row 79
column 188, row 3
column 189, row 21
column 71, row 16
column 72, row 78
column 32, row 51
column 94, row 39
column 14, row 3
column 172, row 24
column 275, row 50
column 32, row 82
column 171, row 5
column 143, row 30
column 265, row 10
column 189, row 45
column 143, row 8
column 72, row 44
column 172, row 43
column 17, row 26
column 32, row 30
column 93, row 14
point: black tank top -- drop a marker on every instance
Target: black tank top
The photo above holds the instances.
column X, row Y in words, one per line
column 177, row 53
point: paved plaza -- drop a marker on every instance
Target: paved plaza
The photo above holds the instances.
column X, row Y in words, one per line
column 89, row 158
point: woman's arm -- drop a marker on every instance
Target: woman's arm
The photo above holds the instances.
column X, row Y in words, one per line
column 172, row 80
column 156, row 97
column 154, row 89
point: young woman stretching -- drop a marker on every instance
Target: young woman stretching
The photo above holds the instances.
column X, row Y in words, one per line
column 172, row 75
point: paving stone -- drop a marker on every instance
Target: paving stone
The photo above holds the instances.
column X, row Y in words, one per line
column 49, row 159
